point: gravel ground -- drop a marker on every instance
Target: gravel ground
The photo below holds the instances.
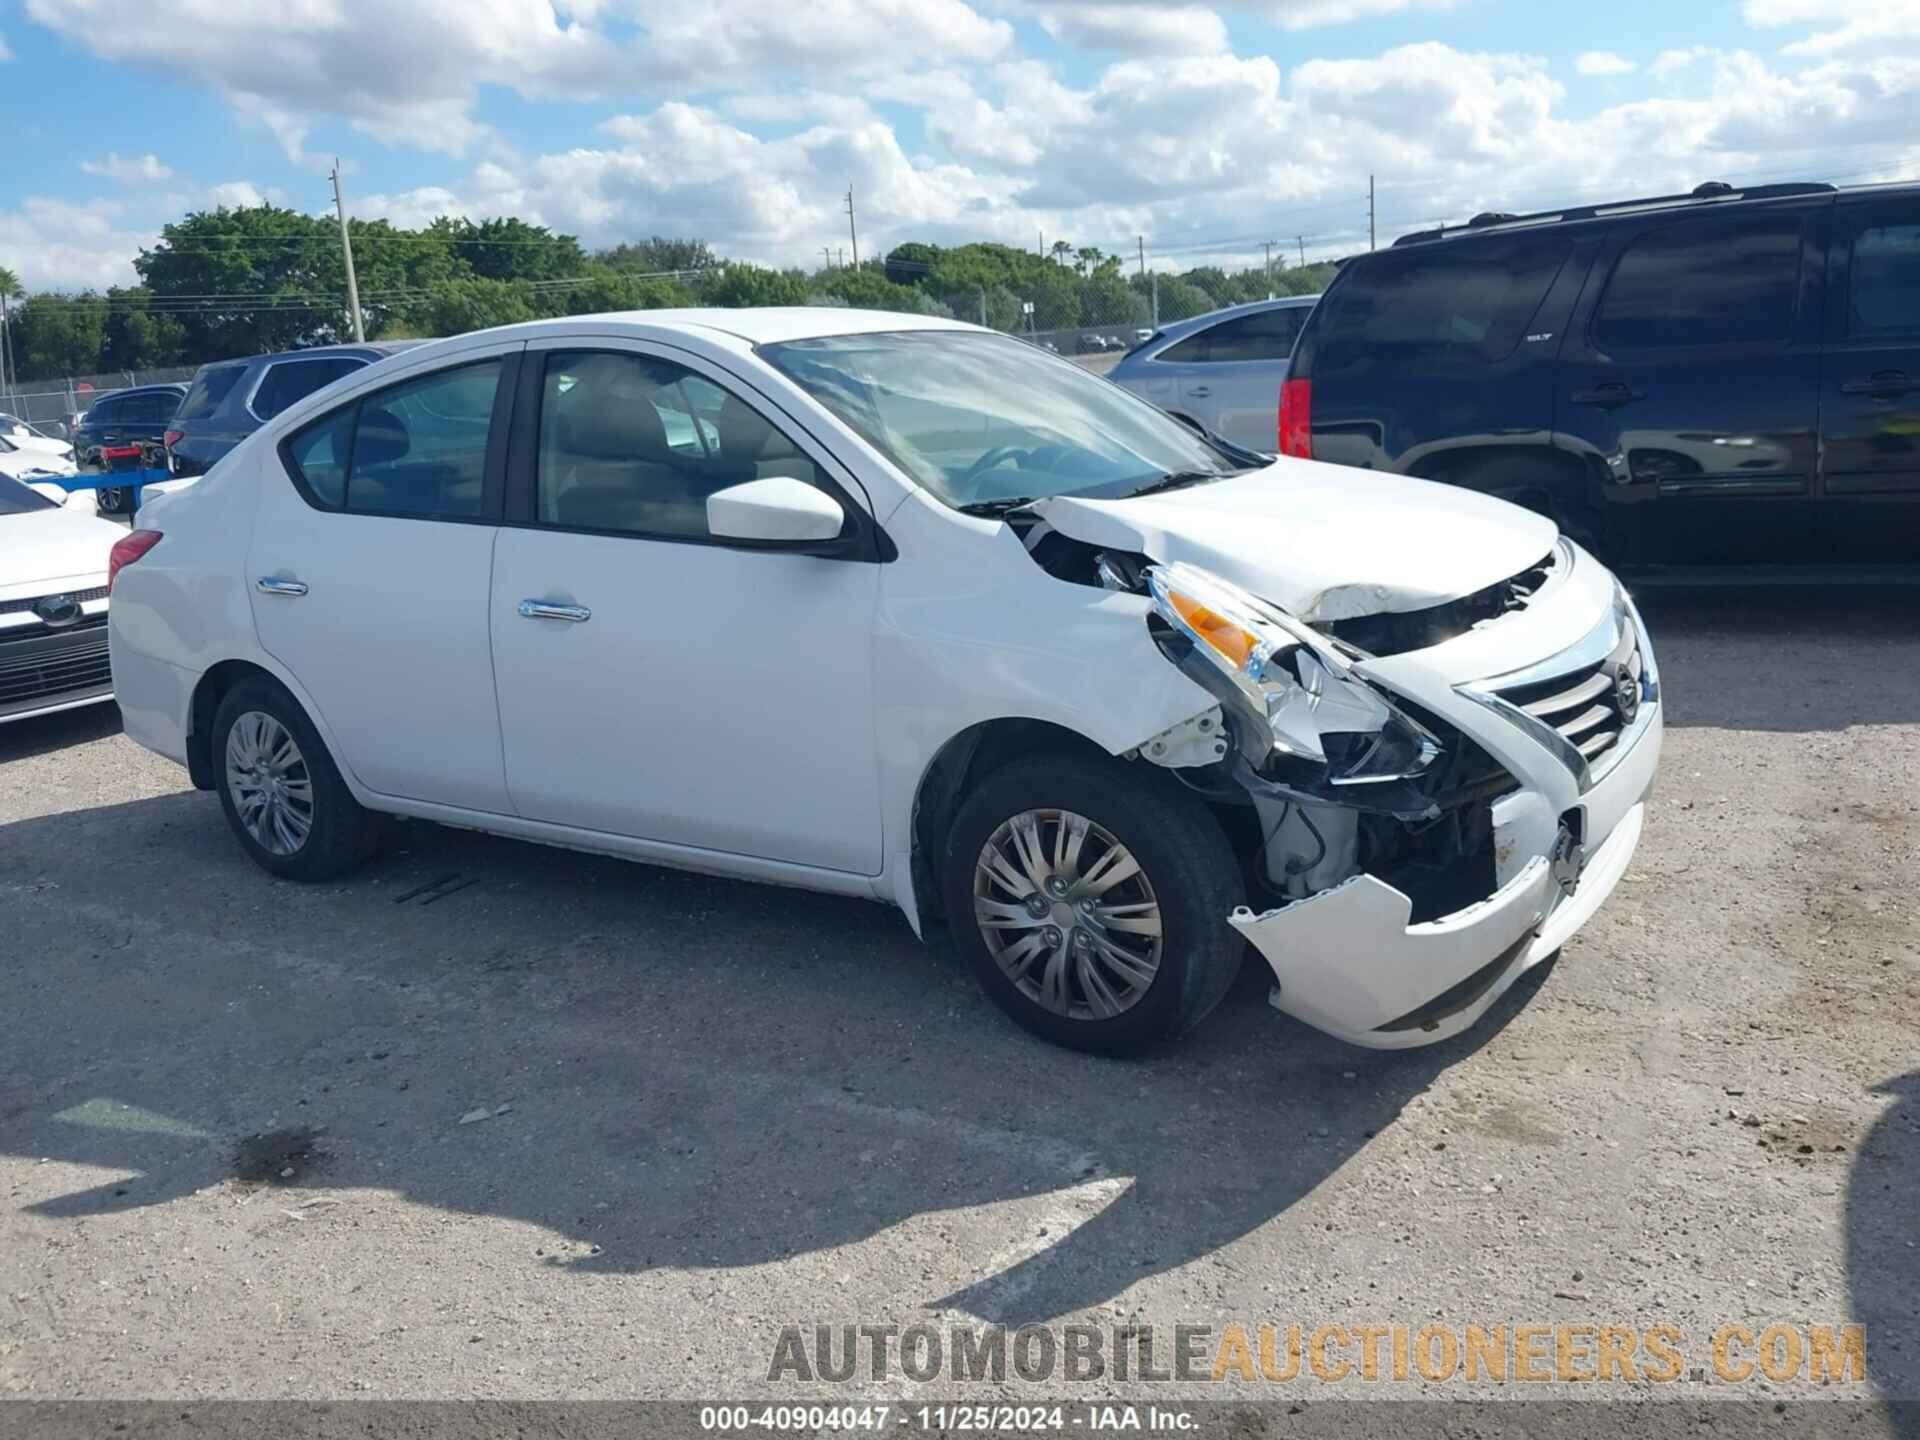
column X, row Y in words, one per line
column 568, row 1127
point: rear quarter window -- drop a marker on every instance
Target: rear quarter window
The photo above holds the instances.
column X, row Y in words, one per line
column 1436, row 307
column 211, row 386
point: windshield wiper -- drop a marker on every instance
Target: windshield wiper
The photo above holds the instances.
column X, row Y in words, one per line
column 1178, row 480
column 994, row 509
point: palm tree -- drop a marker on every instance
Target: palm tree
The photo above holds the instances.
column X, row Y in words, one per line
column 10, row 289
column 1061, row 249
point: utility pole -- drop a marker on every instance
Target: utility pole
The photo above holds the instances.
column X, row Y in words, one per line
column 1370, row 240
column 1269, row 245
column 1303, row 250
column 1143, row 257
column 346, row 250
column 6, row 349
column 853, row 237
column 826, row 253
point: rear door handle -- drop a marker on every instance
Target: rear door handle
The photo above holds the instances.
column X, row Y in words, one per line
column 1199, row 390
column 1606, row 396
column 544, row 610
column 1887, row 383
column 267, row 585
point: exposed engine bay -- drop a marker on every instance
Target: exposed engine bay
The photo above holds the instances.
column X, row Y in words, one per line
column 1319, row 775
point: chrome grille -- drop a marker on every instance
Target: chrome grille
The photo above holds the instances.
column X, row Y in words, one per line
column 1585, row 704
column 50, row 667
column 14, row 607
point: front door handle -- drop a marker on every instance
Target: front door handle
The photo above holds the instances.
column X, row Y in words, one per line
column 1199, row 390
column 545, row 610
column 1882, row 383
column 1607, row 396
column 267, row 585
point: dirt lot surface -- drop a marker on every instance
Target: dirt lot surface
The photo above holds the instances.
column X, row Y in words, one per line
column 561, row 1126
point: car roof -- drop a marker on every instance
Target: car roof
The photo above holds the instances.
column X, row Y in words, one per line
column 378, row 349
column 1712, row 195
column 177, row 386
column 1177, row 329
column 761, row 325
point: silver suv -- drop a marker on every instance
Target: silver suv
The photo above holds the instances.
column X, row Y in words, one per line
column 1222, row 370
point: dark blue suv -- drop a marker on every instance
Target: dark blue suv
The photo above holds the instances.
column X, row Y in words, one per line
column 1725, row 377
column 231, row 399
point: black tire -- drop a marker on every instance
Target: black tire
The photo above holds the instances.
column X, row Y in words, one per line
column 1182, row 852
column 343, row 834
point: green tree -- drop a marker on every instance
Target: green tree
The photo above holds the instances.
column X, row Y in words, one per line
column 510, row 249
column 477, row 304
column 261, row 278
column 911, row 263
column 608, row 290
column 136, row 336
column 660, row 254
column 743, row 285
column 59, row 335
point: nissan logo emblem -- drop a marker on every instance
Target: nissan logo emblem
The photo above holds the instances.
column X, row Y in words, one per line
column 57, row 611
column 1626, row 694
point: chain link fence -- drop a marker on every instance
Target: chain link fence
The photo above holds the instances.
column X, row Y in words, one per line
column 49, row 405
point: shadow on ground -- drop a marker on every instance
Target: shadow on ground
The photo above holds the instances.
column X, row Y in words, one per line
column 695, row 1072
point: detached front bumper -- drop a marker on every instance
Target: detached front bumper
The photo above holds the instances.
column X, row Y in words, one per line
column 1349, row 961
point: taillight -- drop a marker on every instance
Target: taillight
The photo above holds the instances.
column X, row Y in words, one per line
column 1296, row 418
column 126, row 551
column 171, row 438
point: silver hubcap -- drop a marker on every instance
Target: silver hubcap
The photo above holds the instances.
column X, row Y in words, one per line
column 1068, row 914
column 267, row 778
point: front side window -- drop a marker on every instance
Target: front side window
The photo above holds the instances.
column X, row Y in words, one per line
column 290, row 381
column 416, row 448
column 984, row 420
column 634, row 445
column 1886, row 281
column 1703, row 282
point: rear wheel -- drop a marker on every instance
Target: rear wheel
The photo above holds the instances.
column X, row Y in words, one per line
column 1092, row 899
column 281, row 791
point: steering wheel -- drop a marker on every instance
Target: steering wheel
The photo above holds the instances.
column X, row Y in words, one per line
column 990, row 460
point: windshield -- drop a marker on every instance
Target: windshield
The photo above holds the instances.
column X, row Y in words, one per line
column 983, row 419
column 18, row 499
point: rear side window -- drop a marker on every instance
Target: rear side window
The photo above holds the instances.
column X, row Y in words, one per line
column 289, row 381
column 1703, row 282
column 103, row 412
column 1464, row 302
column 1268, row 335
column 416, row 448
column 1886, row 281
column 209, row 388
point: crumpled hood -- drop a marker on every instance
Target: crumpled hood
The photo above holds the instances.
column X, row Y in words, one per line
column 1323, row 542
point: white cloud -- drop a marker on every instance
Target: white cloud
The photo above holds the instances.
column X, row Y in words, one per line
column 55, row 244
column 1604, row 62
column 5, row 53
column 1137, row 29
column 409, row 74
column 234, row 195
column 1306, row 14
column 1844, row 27
column 1671, row 62
column 128, row 170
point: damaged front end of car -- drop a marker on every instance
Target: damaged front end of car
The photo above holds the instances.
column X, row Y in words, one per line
column 1422, row 840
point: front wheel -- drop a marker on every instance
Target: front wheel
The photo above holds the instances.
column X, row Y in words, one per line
column 281, row 792
column 1092, row 899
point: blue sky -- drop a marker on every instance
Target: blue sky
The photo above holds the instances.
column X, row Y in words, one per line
column 1198, row 126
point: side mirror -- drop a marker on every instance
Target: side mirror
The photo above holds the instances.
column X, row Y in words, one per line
column 779, row 508
column 59, row 494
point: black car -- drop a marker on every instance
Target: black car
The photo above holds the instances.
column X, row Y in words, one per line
column 231, row 399
column 123, row 431
column 1722, row 377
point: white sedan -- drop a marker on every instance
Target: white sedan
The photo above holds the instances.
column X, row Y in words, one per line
column 901, row 608
column 31, row 458
column 53, row 601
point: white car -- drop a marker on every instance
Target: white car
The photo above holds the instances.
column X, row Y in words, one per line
column 901, row 608
column 53, row 601
column 31, row 459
